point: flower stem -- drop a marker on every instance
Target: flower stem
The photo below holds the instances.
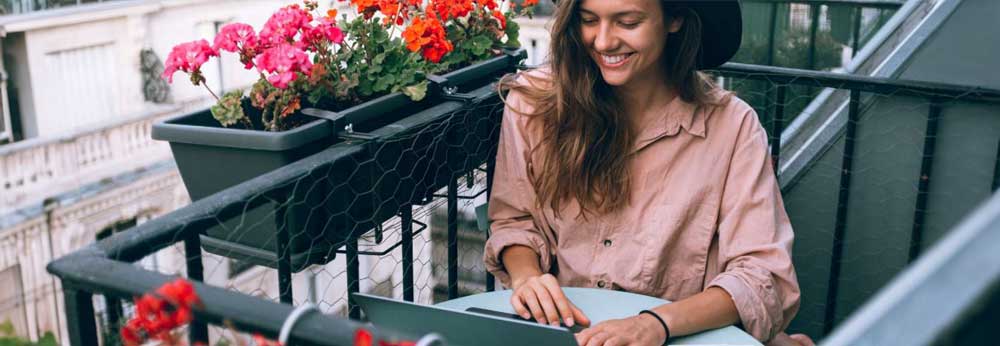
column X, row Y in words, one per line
column 211, row 92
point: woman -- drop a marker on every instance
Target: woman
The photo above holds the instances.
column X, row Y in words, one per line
column 622, row 167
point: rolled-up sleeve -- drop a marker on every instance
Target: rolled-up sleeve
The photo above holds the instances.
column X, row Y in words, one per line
column 755, row 238
column 513, row 198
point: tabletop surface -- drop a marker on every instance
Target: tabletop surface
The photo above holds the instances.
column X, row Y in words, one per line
column 601, row 305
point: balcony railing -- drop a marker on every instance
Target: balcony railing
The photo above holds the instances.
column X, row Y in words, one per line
column 421, row 160
column 33, row 170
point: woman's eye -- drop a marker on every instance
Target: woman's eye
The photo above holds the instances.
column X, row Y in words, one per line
column 630, row 25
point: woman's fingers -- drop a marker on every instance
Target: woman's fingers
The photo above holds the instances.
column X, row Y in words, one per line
column 548, row 306
column 562, row 303
column 584, row 336
column 531, row 299
column 519, row 308
column 598, row 339
column 541, row 298
column 578, row 316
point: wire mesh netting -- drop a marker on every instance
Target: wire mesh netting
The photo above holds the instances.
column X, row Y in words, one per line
column 358, row 213
column 872, row 173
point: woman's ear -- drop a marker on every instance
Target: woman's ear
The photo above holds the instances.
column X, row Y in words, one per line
column 675, row 25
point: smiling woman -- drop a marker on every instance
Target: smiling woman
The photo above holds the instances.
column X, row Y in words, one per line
column 621, row 166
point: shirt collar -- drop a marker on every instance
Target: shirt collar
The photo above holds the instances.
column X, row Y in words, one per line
column 679, row 114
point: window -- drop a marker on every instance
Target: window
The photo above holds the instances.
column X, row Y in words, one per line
column 26, row 6
column 116, row 228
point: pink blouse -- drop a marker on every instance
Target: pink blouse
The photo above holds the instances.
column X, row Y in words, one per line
column 705, row 211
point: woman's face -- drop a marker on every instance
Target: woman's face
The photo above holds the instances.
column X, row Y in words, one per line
column 625, row 38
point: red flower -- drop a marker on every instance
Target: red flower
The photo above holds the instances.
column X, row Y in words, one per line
column 490, row 4
column 362, row 338
column 366, row 7
column 448, row 9
column 428, row 36
column 156, row 316
column 500, row 18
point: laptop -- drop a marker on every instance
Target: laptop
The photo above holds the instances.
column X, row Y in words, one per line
column 459, row 328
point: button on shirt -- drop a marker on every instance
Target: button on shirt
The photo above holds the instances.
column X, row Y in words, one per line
column 705, row 210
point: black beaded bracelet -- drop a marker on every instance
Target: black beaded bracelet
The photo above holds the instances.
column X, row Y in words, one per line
column 663, row 323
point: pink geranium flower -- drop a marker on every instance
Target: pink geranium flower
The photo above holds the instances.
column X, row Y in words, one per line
column 282, row 63
column 284, row 25
column 236, row 37
column 188, row 57
column 325, row 30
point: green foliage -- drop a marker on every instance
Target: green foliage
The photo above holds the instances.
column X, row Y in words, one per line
column 229, row 110
column 374, row 64
column 8, row 337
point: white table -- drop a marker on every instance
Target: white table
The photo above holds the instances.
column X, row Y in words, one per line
column 601, row 305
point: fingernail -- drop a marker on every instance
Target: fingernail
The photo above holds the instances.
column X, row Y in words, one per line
column 569, row 321
column 525, row 316
column 554, row 323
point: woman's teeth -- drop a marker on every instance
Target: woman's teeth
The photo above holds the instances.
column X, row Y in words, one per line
column 614, row 59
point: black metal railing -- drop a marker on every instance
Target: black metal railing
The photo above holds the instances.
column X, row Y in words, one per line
column 935, row 97
column 416, row 162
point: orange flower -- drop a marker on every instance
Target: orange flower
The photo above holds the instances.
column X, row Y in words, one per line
column 448, row 9
column 501, row 18
column 529, row 3
column 490, row 4
column 332, row 14
column 427, row 35
column 366, row 7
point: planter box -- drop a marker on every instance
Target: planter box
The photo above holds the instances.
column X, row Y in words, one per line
column 357, row 194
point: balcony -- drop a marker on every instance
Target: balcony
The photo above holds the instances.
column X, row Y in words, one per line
column 890, row 190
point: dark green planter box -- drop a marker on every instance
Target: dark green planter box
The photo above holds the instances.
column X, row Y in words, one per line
column 353, row 197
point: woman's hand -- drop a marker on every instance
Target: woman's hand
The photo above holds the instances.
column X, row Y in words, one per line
column 641, row 330
column 540, row 297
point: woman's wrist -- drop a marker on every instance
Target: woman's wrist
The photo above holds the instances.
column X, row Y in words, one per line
column 520, row 278
column 521, row 263
column 657, row 324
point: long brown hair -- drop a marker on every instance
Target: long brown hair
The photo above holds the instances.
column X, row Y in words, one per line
column 588, row 136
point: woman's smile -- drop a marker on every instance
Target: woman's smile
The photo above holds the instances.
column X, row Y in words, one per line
column 614, row 61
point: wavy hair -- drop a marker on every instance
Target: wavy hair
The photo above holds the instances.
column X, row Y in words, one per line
column 585, row 151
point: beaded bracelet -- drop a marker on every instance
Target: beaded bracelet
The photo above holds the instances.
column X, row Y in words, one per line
column 662, row 323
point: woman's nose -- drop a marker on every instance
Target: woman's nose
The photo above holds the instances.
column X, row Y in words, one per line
column 605, row 41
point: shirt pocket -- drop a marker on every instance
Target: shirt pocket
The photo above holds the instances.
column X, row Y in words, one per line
column 676, row 242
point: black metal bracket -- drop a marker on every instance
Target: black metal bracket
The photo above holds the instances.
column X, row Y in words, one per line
column 342, row 127
column 447, row 90
column 417, row 231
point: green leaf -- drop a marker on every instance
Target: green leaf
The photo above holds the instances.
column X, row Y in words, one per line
column 513, row 34
column 417, row 91
column 229, row 110
column 480, row 44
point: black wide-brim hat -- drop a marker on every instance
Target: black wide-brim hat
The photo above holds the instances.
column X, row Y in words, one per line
column 721, row 29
